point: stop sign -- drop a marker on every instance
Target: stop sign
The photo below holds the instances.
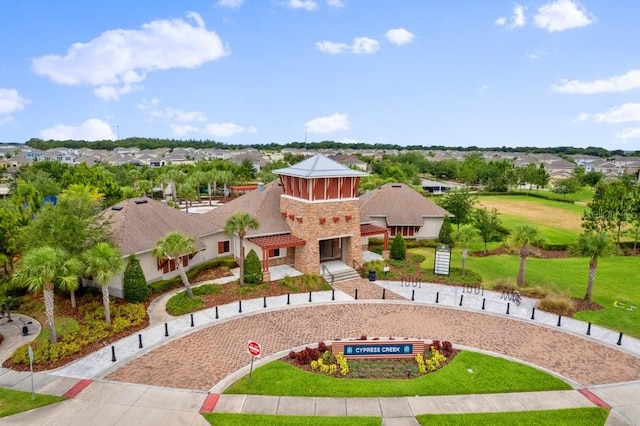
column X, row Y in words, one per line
column 253, row 348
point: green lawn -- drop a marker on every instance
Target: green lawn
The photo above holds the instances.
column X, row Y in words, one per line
column 551, row 234
column 489, row 375
column 228, row 419
column 14, row 402
column 569, row 417
column 575, row 208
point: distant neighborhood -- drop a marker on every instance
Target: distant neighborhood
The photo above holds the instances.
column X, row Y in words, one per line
column 16, row 155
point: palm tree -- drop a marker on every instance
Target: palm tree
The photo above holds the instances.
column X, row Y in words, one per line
column 40, row 269
column 464, row 236
column 526, row 236
column 238, row 223
column 174, row 245
column 103, row 261
column 593, row 245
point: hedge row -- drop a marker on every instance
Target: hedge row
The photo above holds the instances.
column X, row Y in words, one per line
column 165, row 285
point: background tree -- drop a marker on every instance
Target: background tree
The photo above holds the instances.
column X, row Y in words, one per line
column 134, row 284
column 398, row 250
column 609, row 210
column 444, row 237
column 252, row 268
column 460, row 204
column 463, row 237
column 470, row 169
column 239, row 223
column 174, row 245
column 489, row 226
column 40, row 270
column 594, row 246
column 565, row 186
column 103, row 262
column 527, row 237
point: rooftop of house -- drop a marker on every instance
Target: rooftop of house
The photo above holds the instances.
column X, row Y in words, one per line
column 400, row 204
column 318, row 166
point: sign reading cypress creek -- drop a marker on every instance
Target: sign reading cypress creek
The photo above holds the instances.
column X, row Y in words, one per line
column 379, row 349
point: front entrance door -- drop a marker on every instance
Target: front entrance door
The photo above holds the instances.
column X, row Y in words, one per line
column 330, row 249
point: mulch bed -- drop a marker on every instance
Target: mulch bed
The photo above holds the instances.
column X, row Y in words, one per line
column 540, row 253
column 398, row 368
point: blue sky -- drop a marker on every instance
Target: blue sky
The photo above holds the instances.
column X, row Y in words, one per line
column 456, row 73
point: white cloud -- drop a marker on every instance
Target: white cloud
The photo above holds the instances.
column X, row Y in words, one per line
column 91, row 130
column 309, row 5
column 361, row 45
column 484, row 88
column 10, row 101
column 629, row 133
column 364, row 45
column 328, row 124
column 336, row 4
column 399, row 36
column 535, row 54
column 622, row 114
column 619, row 83
column 231, row 4
column 331, row 47
column 183, row 129
column 117, row 60
column 152, row 110
column 517, row 18
column 560, row 15
column 226, row 129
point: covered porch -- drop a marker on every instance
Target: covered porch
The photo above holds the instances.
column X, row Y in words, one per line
column 369, row 230
column 274, row 242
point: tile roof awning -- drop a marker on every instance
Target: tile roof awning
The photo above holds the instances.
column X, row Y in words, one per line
column 277, row 241
column 369, row 229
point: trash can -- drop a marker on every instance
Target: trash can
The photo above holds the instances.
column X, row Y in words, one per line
column 372, row 275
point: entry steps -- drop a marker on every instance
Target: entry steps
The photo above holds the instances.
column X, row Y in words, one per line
column 336, row 272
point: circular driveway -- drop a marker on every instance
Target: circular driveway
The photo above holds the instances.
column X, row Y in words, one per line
column 201, row 359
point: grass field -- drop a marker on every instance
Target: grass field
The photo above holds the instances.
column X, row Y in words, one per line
column 569, row 417
column 14, row 402
column 490, row 375
column 616, row 281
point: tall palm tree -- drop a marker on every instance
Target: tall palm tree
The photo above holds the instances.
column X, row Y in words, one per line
column 463, row 237
column 527, row 237
column 40, row 269
column 593, row 246
column 103, row 261
column 239, row 223
column 174, row 245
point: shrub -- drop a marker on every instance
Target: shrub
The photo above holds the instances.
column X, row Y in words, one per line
column 252, row 268
column 398, row 248
column 181, row 304
column 134, row 283
column 444, row 237
column 557, row 303
column 505, row 285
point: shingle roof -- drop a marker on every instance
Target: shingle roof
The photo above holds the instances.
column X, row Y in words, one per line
column 400, row 204
column 138, row 224
column 318, row 166
column 264, row 206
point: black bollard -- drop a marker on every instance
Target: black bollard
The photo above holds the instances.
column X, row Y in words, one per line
column 333, row 294
column 483, row 302
column 239, row 306
column 533, row 313
column 559, row 320
column 217, row 316
column 192, row 320
column 461, row 296
column 413, row 295
column 356, row 294
column 264, row 301
column 383, row 293
column 166, row 330
column 508, row 305
column 437, row 296
column 288, row 299
column 309, row 297
column 589, row 329
column 140, row 341
column 619, row 339
column 113, row 353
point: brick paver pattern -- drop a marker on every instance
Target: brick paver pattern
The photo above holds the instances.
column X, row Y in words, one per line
column 199, row 360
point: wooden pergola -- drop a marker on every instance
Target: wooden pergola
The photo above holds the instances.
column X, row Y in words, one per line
column 367, row 230
column 272, row 242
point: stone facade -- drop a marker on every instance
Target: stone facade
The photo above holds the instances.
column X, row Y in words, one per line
column 315, row 221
